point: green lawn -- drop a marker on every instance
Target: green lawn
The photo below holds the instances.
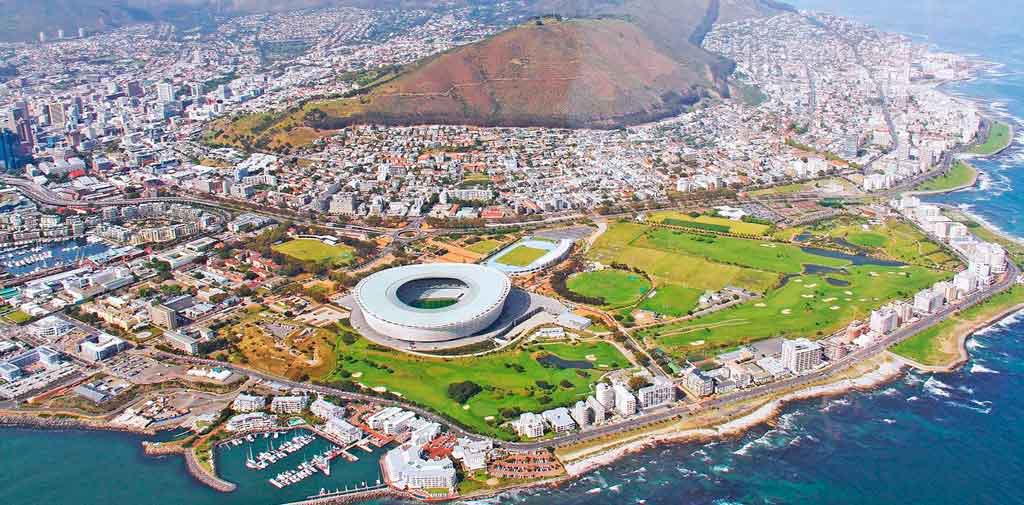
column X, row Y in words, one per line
column 619, row 245
column 960, row 174
column 308, row 249
column 508, row 378
column 18, row 317
column 521, row 256
column 998, row 139
column 486, row 246
column 757, row 254
column 738, row 227
column 672, row 300
column 806, row 306
column 938, row 345
column 893, row 238
column 616, row 287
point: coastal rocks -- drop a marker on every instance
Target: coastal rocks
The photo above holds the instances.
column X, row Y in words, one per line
column 886, row 371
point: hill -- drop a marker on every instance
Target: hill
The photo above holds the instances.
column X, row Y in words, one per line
column 628, row 62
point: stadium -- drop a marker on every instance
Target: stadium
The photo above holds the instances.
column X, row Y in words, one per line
column 440, row 306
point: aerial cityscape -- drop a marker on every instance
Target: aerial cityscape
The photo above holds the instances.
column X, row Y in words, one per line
column 326, row 251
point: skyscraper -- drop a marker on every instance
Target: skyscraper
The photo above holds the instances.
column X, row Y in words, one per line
column 9, row 149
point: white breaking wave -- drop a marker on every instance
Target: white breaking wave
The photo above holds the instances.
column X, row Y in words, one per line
column 976, row 368
column 936, row 387
column 889, row 421
column 981, row 410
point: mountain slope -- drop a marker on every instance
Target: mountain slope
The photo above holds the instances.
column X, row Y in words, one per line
column 594, row 73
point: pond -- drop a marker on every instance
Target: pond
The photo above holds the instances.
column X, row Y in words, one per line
column 557, row 362
column 812, row 269
column 855, row 259
column 837, row 282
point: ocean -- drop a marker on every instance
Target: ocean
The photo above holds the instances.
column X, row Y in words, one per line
column 930, row 439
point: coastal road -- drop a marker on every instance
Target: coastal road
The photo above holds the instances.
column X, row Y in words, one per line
column 841, row 365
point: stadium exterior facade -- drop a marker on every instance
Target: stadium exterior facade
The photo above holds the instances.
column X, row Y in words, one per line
column 393, row 302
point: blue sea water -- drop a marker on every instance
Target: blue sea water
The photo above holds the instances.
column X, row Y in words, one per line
column 924, row 439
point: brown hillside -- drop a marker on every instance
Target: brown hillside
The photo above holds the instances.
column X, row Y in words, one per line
column 582, row 73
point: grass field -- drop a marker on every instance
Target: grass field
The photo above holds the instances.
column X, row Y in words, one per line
column 18, row 317
column 960, row 174
column 618, row 245
column 807, row 305
column 1014, row 249
column 756, row 254
column 939, row 345
column 308, row 249
column 486, row 246
column 738, row 227
column 672, row 300
column 998, row 139
column 616, row 287
column 893, row 238
column 521, row 256
column 509, row 378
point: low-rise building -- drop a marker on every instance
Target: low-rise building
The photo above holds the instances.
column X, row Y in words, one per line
column 288, row 404
column 529, row 425
column 248, row 403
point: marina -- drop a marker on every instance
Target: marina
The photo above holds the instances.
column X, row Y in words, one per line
column 298, row 464
column 31, row 258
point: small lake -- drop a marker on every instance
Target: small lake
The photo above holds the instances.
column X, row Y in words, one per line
column 555, row 361
column 852, row 258
column 812, row 269
column 837, row 282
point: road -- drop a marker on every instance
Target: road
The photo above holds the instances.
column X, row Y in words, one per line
column 838, row 367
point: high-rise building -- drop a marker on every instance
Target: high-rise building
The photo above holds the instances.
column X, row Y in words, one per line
column 42, row 36
column 56, row 112
column 605, row 395
column 164, row 317
column 801, row 355
column 661, row 392
column 9, row 150
column 165, row 92
column 599, row 411
column 625, row 401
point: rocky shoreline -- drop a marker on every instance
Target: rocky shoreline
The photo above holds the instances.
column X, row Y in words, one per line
column 886, row 372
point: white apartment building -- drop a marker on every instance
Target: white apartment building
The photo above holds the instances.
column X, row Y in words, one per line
column 661, row 392
column 801, row 355
column 248, row 403
column 625, row 401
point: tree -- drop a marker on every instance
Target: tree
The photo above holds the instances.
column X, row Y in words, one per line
column 461, row 392
column 638, row 381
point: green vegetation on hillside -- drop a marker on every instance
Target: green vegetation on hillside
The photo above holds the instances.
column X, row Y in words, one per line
column 939, row 345
column 998, row 139
column 959, row 175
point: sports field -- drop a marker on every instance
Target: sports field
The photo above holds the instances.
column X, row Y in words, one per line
column 309, row 249
column 808, row 305
column 509, row 379
column 672, row 300
column 616, row 287
column 485, row 246
column 521, row 256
